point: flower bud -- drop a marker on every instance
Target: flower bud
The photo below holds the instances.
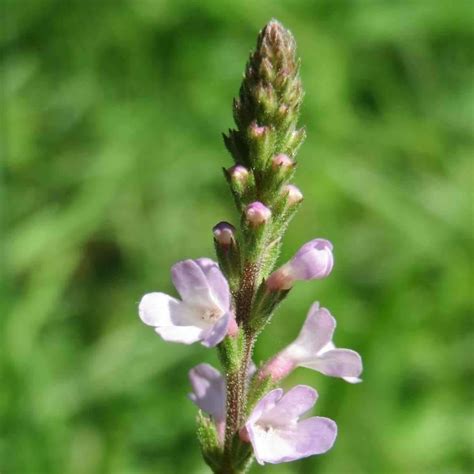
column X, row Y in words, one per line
column 266, row 95
column 227, row 250
column 313, row 261
column 295, row 140
column 224, row 233
column 282, row 162
column 238, row 174
column 293, row 194
column 257, row 214
column 257, row 132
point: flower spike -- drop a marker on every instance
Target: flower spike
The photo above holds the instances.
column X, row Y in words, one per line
column 243, row 415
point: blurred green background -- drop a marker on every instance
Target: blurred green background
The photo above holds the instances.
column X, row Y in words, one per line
column 111, row 164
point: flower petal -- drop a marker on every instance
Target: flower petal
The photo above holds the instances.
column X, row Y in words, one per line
column 264, row 404
column 191, row 283
column 216, row 281
column 268, row 446
column 277, row 435
column 343, row 363
column 217, row 332
column 318, row 244
column 317, row 331
column 293, row 404
column 183, row 334
column 313, row 260
column 208, row 390
column 315, row 435
column 157, row 309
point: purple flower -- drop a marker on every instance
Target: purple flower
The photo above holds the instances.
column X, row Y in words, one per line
column 203, row 314
column 314, row 260
column 314, row 349
column 209, row 393
column 276, row 433
column 209, row 389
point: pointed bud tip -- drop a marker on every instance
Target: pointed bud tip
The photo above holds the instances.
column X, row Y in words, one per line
column 274, row 31
column 274, row 26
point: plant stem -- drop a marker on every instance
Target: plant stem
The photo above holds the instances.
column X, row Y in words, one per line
column 237, row 379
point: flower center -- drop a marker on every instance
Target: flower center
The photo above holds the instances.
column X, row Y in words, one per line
column 211, row 315
column 265, row 429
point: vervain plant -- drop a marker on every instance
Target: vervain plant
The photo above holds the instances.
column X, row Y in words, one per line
column 227, row 304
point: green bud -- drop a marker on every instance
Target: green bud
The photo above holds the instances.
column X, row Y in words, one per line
column 264, row 305
column 261, row 144
column 293, row 141
column 209, row 441
column 270, row 96
column 282, row 167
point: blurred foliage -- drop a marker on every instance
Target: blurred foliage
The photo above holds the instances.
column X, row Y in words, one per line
column 111, row 120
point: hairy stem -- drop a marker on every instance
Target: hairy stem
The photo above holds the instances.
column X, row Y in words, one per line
column 237, row 379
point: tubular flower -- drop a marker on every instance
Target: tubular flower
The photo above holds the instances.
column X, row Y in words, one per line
column 203, row 314
column 278, row 435
column 314, row 349
column 313, row 261
column 209, row 393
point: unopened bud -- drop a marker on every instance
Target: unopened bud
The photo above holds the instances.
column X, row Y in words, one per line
column 238, row 174
column 260, row 140
column 257, row 214
column 296, row 139
column 224, row 233
column 257, row 132
column 282, row 162
column 267, row 97
column 293, row 194
column 227, row 250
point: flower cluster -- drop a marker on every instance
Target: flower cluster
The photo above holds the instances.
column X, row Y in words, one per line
column 226, row 304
